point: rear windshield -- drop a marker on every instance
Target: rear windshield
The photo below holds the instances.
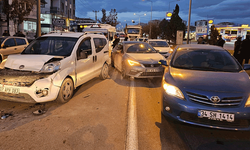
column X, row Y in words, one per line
column 57, row 46
column 206, row 60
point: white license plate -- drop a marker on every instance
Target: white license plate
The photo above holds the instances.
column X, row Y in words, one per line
column 153, row 70
column 12, row 90
column 216, row 115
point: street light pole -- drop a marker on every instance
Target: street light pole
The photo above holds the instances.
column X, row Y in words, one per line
column 150, row 18
column 189, row 16
column 139, row 16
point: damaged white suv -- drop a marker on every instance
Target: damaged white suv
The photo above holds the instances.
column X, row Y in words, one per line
column 52, row 66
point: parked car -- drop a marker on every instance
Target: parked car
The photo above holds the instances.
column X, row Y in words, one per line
column 204, row 85
column 160, row 45
column 137, row 59
column 52, row 66
column 11, row 45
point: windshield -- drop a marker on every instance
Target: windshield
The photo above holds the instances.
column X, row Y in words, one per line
column 139, row 48
column 57, row 46
column 208, row 60
column 133, row 31
column 158, row 43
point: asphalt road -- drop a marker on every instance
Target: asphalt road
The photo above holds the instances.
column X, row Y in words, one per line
column 97, row 118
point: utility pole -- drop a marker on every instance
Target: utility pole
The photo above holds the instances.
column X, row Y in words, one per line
column 189, row 16
column 38, row 21
column 95, row 11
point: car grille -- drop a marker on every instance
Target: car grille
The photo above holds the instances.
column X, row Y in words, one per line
column 20, row 78
column 237, row 123
column 151, row 65
column 224, row 102
column 152, row 74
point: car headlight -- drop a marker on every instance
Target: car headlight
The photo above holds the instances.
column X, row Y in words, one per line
column 133, row 63
column 248, row 102
column 51, row 67
column 172, row 90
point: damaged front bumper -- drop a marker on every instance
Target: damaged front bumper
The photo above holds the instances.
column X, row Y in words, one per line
column 27, row 86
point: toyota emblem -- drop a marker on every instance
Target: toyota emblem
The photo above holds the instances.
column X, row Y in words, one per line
column 21, row 67
column 215, row 99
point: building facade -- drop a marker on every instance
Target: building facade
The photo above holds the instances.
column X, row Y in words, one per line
column 55, row 15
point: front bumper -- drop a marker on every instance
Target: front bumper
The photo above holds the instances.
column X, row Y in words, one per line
column 187, row 112
column 27, row 87
column 144, row 72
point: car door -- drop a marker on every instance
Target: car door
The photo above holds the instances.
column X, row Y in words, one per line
column 118, row 54
column 101, row 52
column 21, row 45
column 84, row 62
column 8, row 47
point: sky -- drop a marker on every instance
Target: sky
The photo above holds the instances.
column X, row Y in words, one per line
column 237, row 11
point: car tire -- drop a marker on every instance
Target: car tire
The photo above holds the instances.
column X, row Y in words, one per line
column 124, row 71
column 105, row 72
column 66, row 91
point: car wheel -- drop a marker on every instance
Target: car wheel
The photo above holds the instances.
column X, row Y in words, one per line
column 123, row 71
column 105, row 72
column 66, row 91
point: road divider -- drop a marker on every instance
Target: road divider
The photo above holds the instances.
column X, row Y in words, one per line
column 132, row 131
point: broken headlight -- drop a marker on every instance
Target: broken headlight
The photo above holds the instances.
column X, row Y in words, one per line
column 51, row 67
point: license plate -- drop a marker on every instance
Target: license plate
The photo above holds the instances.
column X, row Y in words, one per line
column 153, row 70
column 12, row 90
column 216, row 115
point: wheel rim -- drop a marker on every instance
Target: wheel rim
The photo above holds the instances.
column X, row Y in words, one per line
column 105, row 71
column 67, row 90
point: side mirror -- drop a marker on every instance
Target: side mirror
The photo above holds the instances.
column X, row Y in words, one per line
column 246, row 66
column 163, row 62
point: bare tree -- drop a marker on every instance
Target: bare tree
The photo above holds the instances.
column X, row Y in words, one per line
column 20, row 9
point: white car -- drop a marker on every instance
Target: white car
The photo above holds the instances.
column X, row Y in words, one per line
column 160, row 45
column 52, row 66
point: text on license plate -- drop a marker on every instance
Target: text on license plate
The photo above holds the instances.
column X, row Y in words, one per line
column 153, row 70
column 216, row 115
column 9, row 90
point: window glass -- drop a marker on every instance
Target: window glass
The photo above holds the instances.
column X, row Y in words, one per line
column 20, row 41
column 139, row 48
column 84, row 49
column 206, row 60
column 10, row 42
column 57, row 46
column 99, row 44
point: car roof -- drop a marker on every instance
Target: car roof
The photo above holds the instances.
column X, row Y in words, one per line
column 200, row 46
column 132, row 42
column 63, row 34
column 156, row 40
column 72, row 34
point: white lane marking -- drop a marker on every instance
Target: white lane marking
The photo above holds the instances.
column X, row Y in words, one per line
column 132, row 132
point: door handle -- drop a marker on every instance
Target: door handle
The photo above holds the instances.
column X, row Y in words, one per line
column 95, row 58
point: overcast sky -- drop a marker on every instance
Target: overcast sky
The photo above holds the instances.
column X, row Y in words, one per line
column 237, row 11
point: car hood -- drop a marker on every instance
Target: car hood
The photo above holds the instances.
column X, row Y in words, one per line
column 162, row 49
column 28, row 62
column 210, row 81
column 148, row 58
